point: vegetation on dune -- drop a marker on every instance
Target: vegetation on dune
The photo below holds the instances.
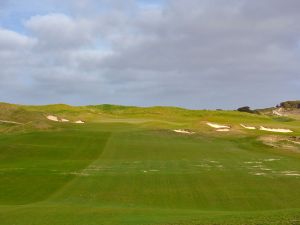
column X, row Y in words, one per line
column 126, row 165
column 290, row 104
column 247, row 109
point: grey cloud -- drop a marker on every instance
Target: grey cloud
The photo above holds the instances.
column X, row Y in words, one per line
column 59, row 32
column 229, row 41
column 190, row 53
column 10, row 40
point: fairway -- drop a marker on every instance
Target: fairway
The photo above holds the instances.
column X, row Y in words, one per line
column 149, row 112
column 138, row 171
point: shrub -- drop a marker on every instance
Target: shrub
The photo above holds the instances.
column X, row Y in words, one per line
column 247, row 110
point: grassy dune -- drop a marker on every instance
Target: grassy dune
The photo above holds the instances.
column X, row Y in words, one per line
column 125, row 165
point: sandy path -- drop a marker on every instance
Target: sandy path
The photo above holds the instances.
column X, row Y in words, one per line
column 277, row 113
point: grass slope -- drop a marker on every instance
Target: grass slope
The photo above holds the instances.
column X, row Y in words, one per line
column 127, row 166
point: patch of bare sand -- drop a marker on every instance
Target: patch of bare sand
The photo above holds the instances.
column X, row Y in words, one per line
column 281, row 142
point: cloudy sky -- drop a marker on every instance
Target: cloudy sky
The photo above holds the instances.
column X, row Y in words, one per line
column 191, row 53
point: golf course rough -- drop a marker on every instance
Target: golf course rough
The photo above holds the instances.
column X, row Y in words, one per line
column 126, row 165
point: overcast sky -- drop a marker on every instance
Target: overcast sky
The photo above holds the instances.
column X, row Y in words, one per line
column 190, row 53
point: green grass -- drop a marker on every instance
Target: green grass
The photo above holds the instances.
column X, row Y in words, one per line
column 126, row 166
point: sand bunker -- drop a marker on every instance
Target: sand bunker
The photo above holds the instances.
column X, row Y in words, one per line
column 247, row 127
column 223, row 130
column 79, row 121
column 184, row 131
column 52, row 118
column 218, row 126
column 7, row 121
column 276, row 130
column 56, row 119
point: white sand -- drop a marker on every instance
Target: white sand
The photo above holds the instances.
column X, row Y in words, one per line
column 275, row 130
column 291, row 173
column 53, row 118
column 183, row 131
column 271, row 160
column 223, row 130
column 257, row 166
column 218, row 126
column 259, row 174
column 56, row 119
column 266, row 169
column 79, row 121
column 249, row 128
column 7, row 121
